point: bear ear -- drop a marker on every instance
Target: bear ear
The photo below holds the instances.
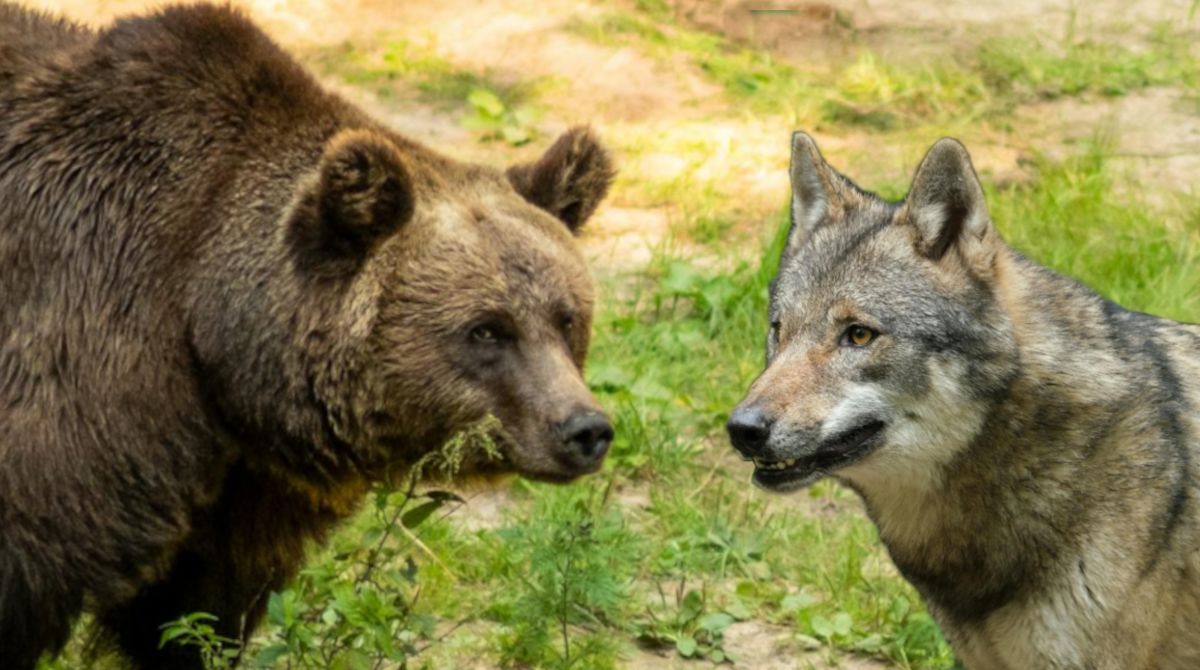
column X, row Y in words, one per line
column 946, row 203
column 363, row 194
column 569, row 180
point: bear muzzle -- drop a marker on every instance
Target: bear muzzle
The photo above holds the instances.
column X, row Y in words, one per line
column 585, row 438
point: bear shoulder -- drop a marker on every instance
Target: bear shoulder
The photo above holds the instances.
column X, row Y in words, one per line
column 202, row 56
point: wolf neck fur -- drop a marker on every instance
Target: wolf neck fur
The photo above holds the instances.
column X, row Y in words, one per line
column 1013, row 457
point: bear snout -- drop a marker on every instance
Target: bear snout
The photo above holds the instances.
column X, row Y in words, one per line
column 585, row 438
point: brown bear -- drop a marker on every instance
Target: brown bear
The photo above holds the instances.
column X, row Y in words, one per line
column 230, row 300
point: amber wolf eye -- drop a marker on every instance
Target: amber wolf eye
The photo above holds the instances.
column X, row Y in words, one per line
column 858, row 336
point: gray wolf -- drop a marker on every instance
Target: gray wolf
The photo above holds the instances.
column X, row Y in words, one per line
column 1027, row 449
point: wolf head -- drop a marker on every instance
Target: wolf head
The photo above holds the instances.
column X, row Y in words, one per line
column 887, row 343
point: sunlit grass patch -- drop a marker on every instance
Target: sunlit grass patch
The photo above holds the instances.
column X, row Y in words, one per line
column 1072, row 219
column 497, row 108
column 1028, row 69
column 748, row 76
column 865, row 92
column 873, row 93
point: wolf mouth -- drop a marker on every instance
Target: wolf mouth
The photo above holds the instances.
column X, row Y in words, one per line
column 830, row 455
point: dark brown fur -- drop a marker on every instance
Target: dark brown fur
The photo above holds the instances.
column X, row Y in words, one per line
column 230, row 302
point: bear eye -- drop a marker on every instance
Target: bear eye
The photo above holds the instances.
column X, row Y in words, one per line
column 858, row 336
column 567, row 322
column 485, row 334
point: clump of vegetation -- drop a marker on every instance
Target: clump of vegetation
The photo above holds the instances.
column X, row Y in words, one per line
column 353, row 608
column 884, row 96
column 871, row 93
column 496, row 108
column 1146, row 258
column 382, row 67
column 495, row 120
column 195, row 630
column 356, row 606
column 683, row 621
column 569, row 565
column 1030, row 69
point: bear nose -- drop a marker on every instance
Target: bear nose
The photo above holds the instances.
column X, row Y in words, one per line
column 749, row 428
column 586, row 436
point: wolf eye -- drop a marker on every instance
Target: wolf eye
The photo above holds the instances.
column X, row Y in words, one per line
column 858, row 336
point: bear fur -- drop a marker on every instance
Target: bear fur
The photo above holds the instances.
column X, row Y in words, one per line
column 230, row 301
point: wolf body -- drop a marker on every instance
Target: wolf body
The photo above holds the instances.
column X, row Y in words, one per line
column 1027, row 448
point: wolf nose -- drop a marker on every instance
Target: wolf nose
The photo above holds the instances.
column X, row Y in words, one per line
column 586, row 436
column 749, row 429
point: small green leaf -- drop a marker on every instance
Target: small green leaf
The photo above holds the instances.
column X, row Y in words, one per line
column 445, row 496
column 821, row 626
column 715, row 622
column 842, row 624
column 269, row 656
column 738, row 610
column 171, row 633
column 486, row 102
column 277, row 611
column 371, row 536
column 692, row 605
column 686, row 646
column 807, row 643
column 417, row 515
column 900, row 608
column 869, row 644
column 796, row 602
column 515, row 135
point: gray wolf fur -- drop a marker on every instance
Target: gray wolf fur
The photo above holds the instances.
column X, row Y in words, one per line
column 1027, row 449
column 230, row 300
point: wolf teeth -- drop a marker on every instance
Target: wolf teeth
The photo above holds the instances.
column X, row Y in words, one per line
column 774, row 465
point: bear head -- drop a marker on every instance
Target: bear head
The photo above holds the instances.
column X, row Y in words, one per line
column 445, row 296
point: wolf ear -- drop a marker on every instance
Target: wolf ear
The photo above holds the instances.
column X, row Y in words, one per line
column 570, row 180
column 815, row 190
column 946, row 203
column 362, row 195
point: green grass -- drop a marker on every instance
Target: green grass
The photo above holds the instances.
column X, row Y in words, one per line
column 1072, row 219
column 880, row 95
column 866, row 92
column 1029, row 69
column 498, row 108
